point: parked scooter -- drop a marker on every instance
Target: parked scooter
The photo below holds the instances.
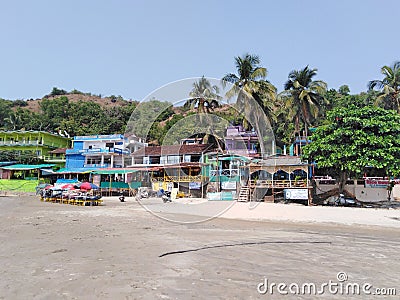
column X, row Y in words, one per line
column 166, row 197
column 121, row 197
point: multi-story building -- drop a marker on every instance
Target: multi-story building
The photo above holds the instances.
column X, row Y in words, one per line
column 175, row 166
column 97, row 151
column 40, row 143
column 241, row 142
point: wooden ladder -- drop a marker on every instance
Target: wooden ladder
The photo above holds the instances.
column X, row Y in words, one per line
column 244, row 194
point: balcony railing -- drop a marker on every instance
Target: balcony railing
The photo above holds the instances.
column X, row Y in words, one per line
column 241, row 151
column 97, row 150
column 224, row 172
column 19, row 143
column 185, row 178
column 54, row 158
column 279, row 183
column 96, row 165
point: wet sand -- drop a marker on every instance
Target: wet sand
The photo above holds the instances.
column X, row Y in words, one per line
column 120, row 251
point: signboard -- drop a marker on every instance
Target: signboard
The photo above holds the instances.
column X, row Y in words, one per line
column 228, row 185
column 194, row 185
column 298, row 194
column 174, row 193
column 96, row 179
column 379, row 183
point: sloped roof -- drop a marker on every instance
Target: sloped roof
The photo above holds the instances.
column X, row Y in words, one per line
column 58, row 151
column 172, row 150
column 279, row 161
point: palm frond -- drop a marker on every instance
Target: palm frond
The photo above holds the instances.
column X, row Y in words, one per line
column 231, row 78
column 258, row 73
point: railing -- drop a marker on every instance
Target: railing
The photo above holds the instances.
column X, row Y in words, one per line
column 224, row 172
column 178, row 178
column 104, row 150
column 279, row 183
column 97, row 150
column 241, row 151
column 96, row 165
column 54, row 158
column 33, row 143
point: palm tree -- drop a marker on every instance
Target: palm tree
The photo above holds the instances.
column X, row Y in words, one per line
column 389, row 87
column 250, row 78
column 303, row 97
column 204, row 95
column 250, row 84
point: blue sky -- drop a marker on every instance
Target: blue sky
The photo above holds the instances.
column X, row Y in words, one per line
column 131, row 48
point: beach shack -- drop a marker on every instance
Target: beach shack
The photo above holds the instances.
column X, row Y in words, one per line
column 278, row 177
column 223, row 173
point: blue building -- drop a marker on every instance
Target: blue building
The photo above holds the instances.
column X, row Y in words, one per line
column 97, row 151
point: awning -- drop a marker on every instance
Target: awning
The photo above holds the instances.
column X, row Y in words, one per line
column 110, row 172
column 7, row 163
column 74, row 171
column 20, row 167
column 125, row 170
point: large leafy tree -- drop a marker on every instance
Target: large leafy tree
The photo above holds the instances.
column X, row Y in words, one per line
column 145, row 119
column 389, row 87
column 13, row 121
column 303, row 97
column 5, row 110
column 54, row 111
column 356, row 138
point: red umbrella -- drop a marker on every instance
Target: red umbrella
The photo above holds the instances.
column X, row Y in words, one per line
column 86, row 186
column 68, row 186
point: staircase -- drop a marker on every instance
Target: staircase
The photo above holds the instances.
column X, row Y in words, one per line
column 244, row 194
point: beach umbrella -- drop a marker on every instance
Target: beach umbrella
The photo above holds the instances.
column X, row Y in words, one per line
column 94, row 187
column 55, row 188
column 68, row 186
column 86, row 186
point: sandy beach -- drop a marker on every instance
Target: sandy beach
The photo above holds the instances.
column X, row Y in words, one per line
column 190, row 249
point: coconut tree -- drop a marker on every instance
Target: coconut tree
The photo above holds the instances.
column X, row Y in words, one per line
column 250, row 78
column 303, row 97
column 204, row 95
column 255, row 96
column 389, row 87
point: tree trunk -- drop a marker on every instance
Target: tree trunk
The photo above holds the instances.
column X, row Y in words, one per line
column 306, row 132
column 342, row 181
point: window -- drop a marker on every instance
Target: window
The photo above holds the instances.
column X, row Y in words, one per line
column 173, row 159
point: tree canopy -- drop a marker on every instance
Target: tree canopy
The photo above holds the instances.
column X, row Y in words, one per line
column 356, row 138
